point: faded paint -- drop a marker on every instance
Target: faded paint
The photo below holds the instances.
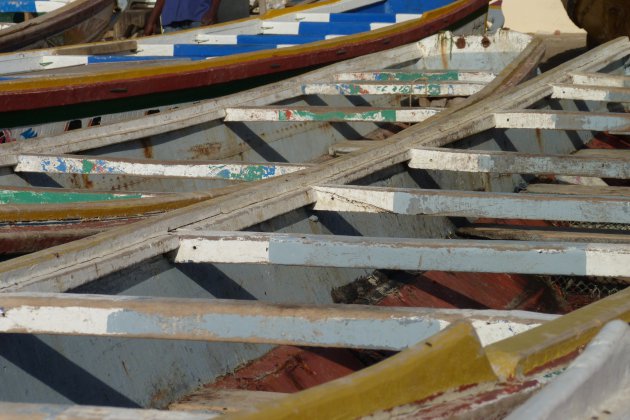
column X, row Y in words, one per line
column 562, row 120
column 329, row 114
column 54, row 197
column 448, row 89
column 416, row 76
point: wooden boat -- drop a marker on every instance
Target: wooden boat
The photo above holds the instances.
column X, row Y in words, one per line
column 63, row 186
column 109, row 77
column 63, row 23
column 603, row 20
column 139, row 316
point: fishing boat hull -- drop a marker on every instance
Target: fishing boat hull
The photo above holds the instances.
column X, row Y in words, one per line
column 78, row 22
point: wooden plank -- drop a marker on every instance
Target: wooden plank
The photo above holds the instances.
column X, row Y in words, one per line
column 555, row 234
column 24, row 411
column 329, row 114
column 415, row 76
column 600, row 79
column 85, row 165
column 582, row 208
column 225, row 400
column 352, row 326
column 101, row 48
column 563, row 120
column 595, row 383
column 578, row 190
column 350, row 146
column 591, row 93
column 404, row 254
column 605, row 153
column 610, row 166
column 438, row 89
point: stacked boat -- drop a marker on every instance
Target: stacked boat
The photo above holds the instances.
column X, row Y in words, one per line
column 406, row 214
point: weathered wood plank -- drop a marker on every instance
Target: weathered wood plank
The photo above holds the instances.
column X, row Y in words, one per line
column 563, row 120
column 581, row 208
column 605, row 153
column 415, row 76
column 600, row 79
column 352, row 326
column 102, row 48
column 25, row 411
column 591, row 93
column 329, row 114
column 520, row 163
column 225, row 400
column 555, row 234
column 404, row 254
column 441, row 89
column 350, row 146
column 578, row 190
column 85, row 165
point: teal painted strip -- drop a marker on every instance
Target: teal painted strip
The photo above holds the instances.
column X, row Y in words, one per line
column 35, row 197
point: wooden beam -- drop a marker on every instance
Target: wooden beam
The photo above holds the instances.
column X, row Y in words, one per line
column 404, row 254
column 472, row 204
column 350, row 146
column 415, row 76
column 555, row 234
column 86, row 165
column 101, row 48
column 621, row 192
column 519, row 163
column 600, row 79
column 563, row 120
column 591, row 93
column 351, row 326
column 225, row 400
column 24, row 411
column 329, row 114
column 439, row 89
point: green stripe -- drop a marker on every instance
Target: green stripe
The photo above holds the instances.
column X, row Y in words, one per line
column 34, row 197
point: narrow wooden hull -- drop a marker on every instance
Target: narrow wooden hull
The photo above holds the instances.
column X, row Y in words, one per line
column 78, row 22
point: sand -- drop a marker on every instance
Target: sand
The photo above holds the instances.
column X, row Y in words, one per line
column 538, row 16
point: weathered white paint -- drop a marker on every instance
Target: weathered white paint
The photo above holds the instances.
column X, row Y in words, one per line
column 432, row 89
column 331, row 114
column 562, row 120
column 595, row 385
column 270, row 27
column 600, row 79
column 325, row 17
column 519, row 163
column 225, row 39
column 354, row 326
column 405, row 254
column 473, row 204
column 415, row 76
column 73, row 164
column 10, row 66
column 166, row 50
column 591, row 93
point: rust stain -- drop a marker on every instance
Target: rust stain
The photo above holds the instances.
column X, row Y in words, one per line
column 539, row 140
column 148, row 148
column 86, row 181
column 208, row 150
column 461, row 42
column 485, row 42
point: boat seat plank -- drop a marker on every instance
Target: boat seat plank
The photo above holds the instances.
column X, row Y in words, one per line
column 356, row 17
column 600, row 79
column 98, row 48
column 416, row 76
column 319, row 28
column 352, row 326
column 562, row 120
column 86, row 165
column 608, row 154
column 473, row 204
column 423, row 254
column 591, row 93
column 225, row 400
column 520, row 233
column 578, row 190
column 610, row 165
column 438, row 89
column 329, row 114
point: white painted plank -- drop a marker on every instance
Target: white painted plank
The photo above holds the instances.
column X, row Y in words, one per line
column 404, row 254
column 330, row 114
column 352, row 326
column 431, row 89
column 415, row 76
column 519, row 163
column 562, row 120
column 600, row 79
column 591, row 93
column 472, row 204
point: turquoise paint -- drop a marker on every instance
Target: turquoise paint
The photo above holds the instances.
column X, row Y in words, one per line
column 54, row 197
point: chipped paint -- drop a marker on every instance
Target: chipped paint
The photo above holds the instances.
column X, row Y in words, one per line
column 59, row 197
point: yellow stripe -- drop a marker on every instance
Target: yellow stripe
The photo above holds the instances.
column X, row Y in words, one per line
column 52, row 81
column 450, row 359
column 543, row 345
